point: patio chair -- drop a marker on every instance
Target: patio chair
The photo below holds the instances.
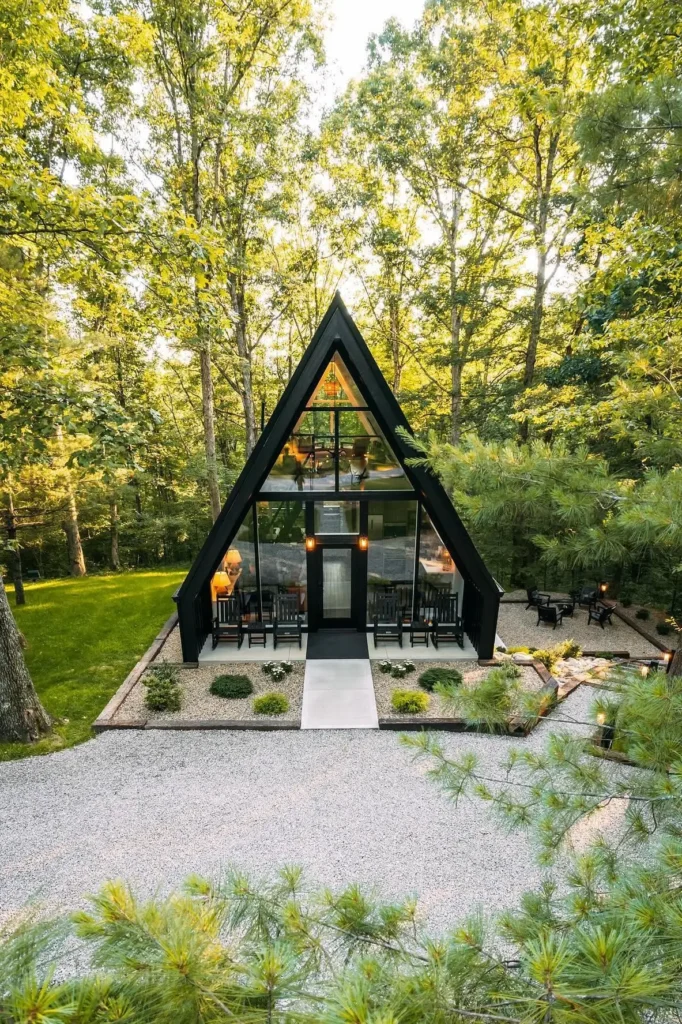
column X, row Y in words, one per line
column 549, row 615
column 536, row 598
column 286, row 624
column 227, row 623
column 586, row 597
column 447, row 625
column 601, row 614
column 388, row 621
column 566, row 605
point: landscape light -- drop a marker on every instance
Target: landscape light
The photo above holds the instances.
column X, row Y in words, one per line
column 603, row 587
column 363, row 543
column 310, row 543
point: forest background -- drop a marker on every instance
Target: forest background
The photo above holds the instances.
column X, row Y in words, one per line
column 497, row 196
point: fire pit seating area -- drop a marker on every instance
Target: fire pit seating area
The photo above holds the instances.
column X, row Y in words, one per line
column 551, row 611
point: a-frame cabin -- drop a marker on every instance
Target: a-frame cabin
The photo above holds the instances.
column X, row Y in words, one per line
column 327, row 507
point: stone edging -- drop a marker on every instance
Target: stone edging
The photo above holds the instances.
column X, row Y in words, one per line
column 105, row 718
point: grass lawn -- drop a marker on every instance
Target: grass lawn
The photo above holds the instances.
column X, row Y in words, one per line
column 83, row 637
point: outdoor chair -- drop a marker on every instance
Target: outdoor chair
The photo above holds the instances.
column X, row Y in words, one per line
column 566, row 605
column 227, row 623
column 601, row 614
column 447, row 626
column 536, row 598
column 549, row 615
column 286, row 625
column 586, row 597
column 388, row 621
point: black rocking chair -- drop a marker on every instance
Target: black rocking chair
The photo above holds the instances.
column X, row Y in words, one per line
column 549, row 615
column 447, row 626
column 600, row 614
column 536, row 598
column 388, row 620
column 227, row 624
column 286, row 624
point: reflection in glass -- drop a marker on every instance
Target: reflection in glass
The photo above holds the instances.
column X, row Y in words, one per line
column 390, row 559
column 237, row 574
column 337, row 517
column 281, row 549
column 336, row 583
column 436, row 571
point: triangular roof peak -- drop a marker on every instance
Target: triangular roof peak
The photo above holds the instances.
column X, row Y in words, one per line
column 337, row 332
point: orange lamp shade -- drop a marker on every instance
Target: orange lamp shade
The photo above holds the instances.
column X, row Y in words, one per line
column 233, row 557
column 363, row 543
column 310, row 543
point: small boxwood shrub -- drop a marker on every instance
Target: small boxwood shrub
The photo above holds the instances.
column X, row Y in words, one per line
column 232, row 686
column 626, row 602
column 163, row 690
column 664, row 628
column 271, row 704
column 448, row 677
column 409, row 702
column 642, row 613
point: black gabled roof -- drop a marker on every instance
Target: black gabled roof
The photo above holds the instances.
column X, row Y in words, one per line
column 337, row 332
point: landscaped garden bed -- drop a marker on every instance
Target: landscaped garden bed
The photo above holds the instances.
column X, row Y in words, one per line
column 432, row 709
column 201, row 707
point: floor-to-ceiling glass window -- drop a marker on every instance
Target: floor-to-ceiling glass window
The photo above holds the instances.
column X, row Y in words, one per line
column 392, row 527
column 236, row 576
column 281, row 550
column 436, row 571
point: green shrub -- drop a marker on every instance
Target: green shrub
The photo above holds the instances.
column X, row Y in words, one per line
column 491, row 701
column 548, row 658
column 568, row 649
column 642, row 613
column 448, row 677
column 271, row 704
column 163, row 690
column 409, row 702
column 519, row 650
column 626, row 602
column 277, row 670
column 231, row 686
column 664, row 628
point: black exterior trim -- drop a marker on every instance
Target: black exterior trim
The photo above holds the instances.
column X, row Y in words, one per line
column 337, row 332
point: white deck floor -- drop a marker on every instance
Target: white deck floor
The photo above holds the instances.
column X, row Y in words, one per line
column 230, row 652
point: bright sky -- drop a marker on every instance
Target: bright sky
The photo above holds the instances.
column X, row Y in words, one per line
column 353, row 22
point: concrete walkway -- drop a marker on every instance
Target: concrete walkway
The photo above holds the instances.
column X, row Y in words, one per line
column 339, row 695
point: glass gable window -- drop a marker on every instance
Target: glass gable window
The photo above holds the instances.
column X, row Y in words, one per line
column 337, row 444
column 337, row 387
column 392, row 530
column 281, row 549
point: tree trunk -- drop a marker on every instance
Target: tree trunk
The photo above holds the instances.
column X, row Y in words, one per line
column 14, row 552
column 22, row 716
column 455, row 327
column 73, row 537
column 676, row 664
column 208, row 414
column 244, row 352
column 394, row 331
column 113, row 520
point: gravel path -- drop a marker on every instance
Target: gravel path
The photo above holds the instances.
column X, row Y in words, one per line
column 348, row 805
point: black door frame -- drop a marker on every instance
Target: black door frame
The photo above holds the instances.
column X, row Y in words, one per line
column 358, row 568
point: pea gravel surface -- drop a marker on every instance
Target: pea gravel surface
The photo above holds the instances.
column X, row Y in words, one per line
column 152, row 807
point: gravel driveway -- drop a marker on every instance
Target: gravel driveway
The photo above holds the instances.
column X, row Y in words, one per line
column 151, row 807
